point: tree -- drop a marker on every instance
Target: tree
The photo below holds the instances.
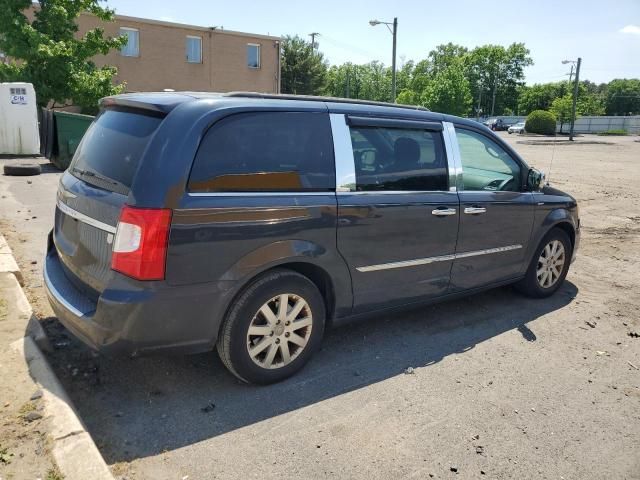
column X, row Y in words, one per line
column 304, row 70
column 538, row 97
column 448, row 92
column 49, row 53
column 623, row 97
column 495, row 69
column 562, row 108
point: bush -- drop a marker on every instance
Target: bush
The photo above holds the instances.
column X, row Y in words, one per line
column 614, row 132
column 541, row 121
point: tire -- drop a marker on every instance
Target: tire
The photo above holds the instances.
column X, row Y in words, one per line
column 542, row 286
column 263, row 295
column 22, row 169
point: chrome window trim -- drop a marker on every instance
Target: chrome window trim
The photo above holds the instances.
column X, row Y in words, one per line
column 454, row 160
column 441, row 258
column 343, row 153
column 58, row 296
column 394, row 192
column 260, row 194
column 85, row 218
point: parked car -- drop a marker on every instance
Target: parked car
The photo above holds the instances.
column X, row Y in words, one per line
column 517, row 128
column 249, row 223
column 496, row 124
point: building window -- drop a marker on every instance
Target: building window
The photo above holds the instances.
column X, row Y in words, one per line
column 132, row 47
column 253, row 55
column 194, row 49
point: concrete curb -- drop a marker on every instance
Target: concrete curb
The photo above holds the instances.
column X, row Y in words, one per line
column 8, row 262
column 72, row 447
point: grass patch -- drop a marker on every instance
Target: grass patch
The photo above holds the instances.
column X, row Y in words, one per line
column 54, row 474
column 614, row 132
column 26, row 408
column 5, row 456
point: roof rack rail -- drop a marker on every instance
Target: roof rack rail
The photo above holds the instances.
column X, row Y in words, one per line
column 314, row 98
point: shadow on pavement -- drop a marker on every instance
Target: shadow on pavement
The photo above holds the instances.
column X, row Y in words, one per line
column 136, row 408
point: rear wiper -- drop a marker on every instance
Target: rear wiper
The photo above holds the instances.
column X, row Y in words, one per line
column 89, row 173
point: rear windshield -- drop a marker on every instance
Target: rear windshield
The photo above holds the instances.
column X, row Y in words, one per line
column 110, row 150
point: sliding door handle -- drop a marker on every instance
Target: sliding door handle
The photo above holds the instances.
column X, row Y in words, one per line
column 474, row 210
column 443, row 212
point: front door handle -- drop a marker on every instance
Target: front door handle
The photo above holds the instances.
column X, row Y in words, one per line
column 443, row 212
column 474, row 210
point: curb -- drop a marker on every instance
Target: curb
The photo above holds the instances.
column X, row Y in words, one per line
column 72, row 447
column 8, row 262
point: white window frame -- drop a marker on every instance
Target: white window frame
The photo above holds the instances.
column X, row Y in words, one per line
column 193, row 37
column 130, row 29
column 259, row 47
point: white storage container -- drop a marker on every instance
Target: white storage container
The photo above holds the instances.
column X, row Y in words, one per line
column 18, row 119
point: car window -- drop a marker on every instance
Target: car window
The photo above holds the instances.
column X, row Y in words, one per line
column 398, row 159
column 266, row 152
column 110, row 150
column 486, row 165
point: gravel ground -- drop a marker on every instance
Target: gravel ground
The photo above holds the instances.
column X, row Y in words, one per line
column 491, row 386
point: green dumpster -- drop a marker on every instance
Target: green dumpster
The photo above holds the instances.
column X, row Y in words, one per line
column 70, row 128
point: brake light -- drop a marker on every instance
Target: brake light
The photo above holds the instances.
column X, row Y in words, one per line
column 140, row 245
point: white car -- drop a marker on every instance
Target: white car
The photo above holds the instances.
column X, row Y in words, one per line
column 517, row 128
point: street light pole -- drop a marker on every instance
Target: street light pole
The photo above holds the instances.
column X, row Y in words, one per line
column 393, row 62
column 394, row 32
column 575, row 98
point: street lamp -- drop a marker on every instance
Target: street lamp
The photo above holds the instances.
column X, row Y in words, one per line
column 575, row 93
column 394, row 32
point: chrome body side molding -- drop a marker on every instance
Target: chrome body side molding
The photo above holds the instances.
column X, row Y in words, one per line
column 441, row 258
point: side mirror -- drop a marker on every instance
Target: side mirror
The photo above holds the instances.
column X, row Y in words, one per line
column 535, row 179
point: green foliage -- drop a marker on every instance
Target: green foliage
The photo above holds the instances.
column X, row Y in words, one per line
column 541, row 121
column 304, row 71
column 49, row 53
column 562, row 108
column 540, row 97
column 371, row 81
column 408, row 97
column 448, row 92
column 619, row 131
column 623, row 97
column 591, row 104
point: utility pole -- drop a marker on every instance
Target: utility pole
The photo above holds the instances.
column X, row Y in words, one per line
column 313, row 36
column 393, row 63
column 575, row 99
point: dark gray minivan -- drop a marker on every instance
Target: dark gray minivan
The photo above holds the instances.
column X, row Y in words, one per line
column 249, row 222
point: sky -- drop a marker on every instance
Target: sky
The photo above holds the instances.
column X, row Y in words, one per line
column 604, row 33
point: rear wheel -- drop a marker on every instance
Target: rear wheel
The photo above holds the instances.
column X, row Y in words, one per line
column 273, row 328
column 548, row 267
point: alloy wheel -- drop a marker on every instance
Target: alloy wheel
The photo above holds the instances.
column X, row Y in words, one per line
column 550, row 264
column 279, row 331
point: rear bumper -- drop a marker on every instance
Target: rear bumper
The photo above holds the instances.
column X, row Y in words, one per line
column 135, row 317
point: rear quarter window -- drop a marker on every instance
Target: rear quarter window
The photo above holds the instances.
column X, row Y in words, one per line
column 266, row 152
column 110, row 151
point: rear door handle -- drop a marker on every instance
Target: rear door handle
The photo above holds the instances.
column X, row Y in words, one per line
column 443, row 212
column 474, row 210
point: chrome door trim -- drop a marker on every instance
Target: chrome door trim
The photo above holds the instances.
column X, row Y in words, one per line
column 474, row 210
column 441, row 258
column 444, row 212
column 454, row 160
column 343, row 154
column 66, row 209
column 259, row 194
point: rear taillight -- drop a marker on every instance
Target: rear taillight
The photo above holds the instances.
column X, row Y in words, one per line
column 140, row 245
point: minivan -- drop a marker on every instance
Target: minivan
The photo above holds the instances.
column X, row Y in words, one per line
column 250, row 222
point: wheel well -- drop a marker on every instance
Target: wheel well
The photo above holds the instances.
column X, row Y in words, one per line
column 568, row 229
column 320, row 278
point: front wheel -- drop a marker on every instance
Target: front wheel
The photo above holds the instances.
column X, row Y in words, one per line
column 548, row 267
column 273, row 328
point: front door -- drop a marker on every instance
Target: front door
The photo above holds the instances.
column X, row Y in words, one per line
column 398, row 223
column 496, row 215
